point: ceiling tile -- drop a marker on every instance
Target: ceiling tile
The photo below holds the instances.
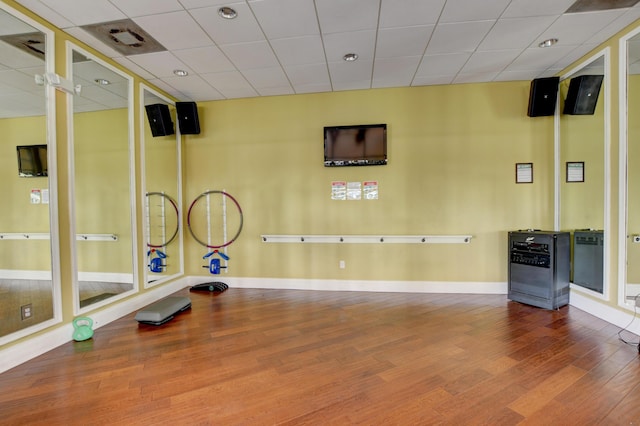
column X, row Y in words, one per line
column 146, row 7
column 339, row 16
column 395, row 72
column 574, row 28
column 191, row 4
column 247, row 56
column 307, row 75
column 275, row 17
column 242, row 29
column 195, row 88
column 128, row 64
column 90, row 40
column 495, row 60
column 360, row 42
column 529, row 8
column 266, row 77
column 299, row 50
column 432, row 80
column 409, row 41
column 408, row 13
column 536, row 58
column 439, row 65
column 475, row 77
column 344, row 72
column 276, row 91
column 82, row 12
column 160, row 64
column 459, row 37
column 45, row 11
column 515, row 33
column 205, row 59
column 175, row 30
column 473, row 10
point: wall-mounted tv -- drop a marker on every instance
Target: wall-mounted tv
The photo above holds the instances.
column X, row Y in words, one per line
column 359, row 145
column 32, row 160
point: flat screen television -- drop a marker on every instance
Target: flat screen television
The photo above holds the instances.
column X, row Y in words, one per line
column 32, row 160
column 359, row 145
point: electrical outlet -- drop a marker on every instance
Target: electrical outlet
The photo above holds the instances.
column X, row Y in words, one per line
column 636, row 238
column 342, row 264
column 26, row 311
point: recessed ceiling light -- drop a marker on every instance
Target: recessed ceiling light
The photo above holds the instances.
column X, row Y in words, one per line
column 102, row 81
column 180, row 73
column 548, row 43
column 227, row 12
column 350, row 57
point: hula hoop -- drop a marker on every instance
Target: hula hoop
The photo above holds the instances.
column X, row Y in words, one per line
column 226, row 243
column 175, row 208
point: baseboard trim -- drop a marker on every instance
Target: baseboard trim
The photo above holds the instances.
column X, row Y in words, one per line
column 31, row 347
column 357, row 285
column 607, row 313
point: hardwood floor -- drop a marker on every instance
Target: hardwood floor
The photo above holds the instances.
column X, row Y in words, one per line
column 286, row 357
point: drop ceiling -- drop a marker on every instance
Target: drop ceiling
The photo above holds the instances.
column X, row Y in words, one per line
column 283, row 47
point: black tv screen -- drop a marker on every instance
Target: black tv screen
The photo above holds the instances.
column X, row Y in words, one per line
column 360, row 145
column 32, row 160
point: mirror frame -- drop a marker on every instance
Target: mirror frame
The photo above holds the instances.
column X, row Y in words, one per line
column 558, row 169
column 70, row 48
column 50, row 108
column 143, row 180
column 623, row 164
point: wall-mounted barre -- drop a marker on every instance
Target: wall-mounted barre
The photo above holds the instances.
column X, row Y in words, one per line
column 46, row 236
column 369, row 239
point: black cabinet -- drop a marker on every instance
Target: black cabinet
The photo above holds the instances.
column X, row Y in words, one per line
column 539, row 268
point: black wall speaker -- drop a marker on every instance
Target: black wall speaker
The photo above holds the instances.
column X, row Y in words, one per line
column 583, row 95
column 159, row 120
column 187, row 113
column 543, row 96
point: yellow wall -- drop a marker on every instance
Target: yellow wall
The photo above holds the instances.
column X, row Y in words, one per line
column 18, row 214
column 452, row 152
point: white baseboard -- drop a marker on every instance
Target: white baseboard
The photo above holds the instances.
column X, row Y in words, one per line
column 607, row 313
column 32, row 347
column 358, row 285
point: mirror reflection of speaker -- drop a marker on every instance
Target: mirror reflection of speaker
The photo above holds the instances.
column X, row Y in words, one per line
column 187, row 113
column 582, row 96
column 543, row 96
column 159, row 120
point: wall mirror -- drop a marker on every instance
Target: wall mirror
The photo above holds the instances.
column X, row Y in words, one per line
column 102, row 159
column 583, row 170
column 29, row 275
column 163, row 196
column 629, row 268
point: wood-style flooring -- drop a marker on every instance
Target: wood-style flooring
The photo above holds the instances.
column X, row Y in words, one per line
column 286, row 357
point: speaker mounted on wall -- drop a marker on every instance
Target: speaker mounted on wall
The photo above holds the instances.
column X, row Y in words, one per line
column 543, row 96
column 159, row 120
column 187, row 113
column 582, row 96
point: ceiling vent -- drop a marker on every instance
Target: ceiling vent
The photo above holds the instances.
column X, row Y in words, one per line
column 125, row 36
column 597, row 5
column 32, row 43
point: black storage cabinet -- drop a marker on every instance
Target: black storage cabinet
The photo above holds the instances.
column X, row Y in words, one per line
column 539, row 268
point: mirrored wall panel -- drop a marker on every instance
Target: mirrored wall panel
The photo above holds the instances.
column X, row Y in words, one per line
column 632, row 237
column 27, row 155
column 583, row 163
column 102, row 182
column 162, row 150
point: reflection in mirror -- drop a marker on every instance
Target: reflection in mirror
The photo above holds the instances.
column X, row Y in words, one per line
column 632, row 287
column 583, row 159
column 27, row 287
column 163, row 196
column 105, row 259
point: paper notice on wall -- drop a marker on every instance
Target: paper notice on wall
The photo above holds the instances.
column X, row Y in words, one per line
column 370, row 190
column 36, row 196
column 339, row 190
column 45, row 196
column 354, row 191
